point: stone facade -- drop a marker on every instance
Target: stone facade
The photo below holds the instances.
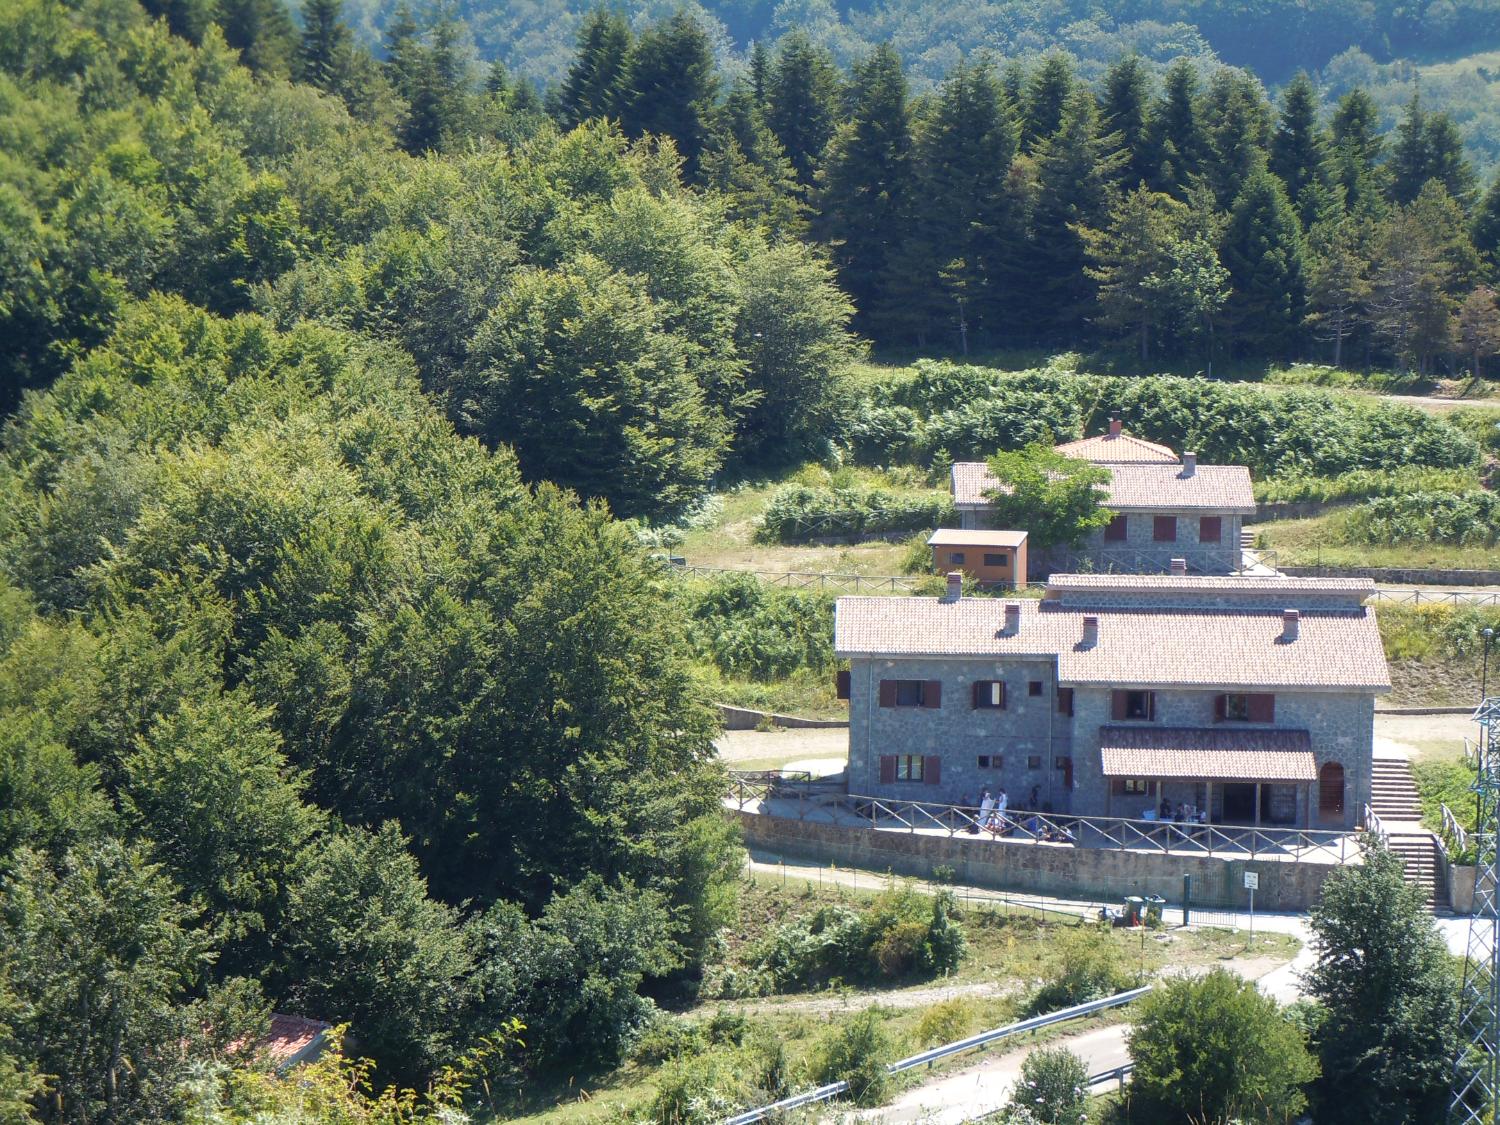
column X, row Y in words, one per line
column 1033, row 744
column 1138, row 552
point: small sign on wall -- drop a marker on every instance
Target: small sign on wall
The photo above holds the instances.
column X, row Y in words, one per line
column 1252, row 880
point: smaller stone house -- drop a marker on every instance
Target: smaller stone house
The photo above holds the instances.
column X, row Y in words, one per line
column 1165, row 508
column 990, row 558
column 1251, row 698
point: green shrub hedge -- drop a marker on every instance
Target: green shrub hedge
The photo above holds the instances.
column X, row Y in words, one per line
column 1363, row 484
column 754, row 631
column 798, row 513
column 1465, row 519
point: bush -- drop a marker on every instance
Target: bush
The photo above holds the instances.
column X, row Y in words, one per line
column 759, row 632
column 1089, row 966
column 857, row 1053
column 699, row 1091
column 1445, row 782
column 667, row 1037
column 1466, row 519
column 945, row 1022
column 1054, row 1087
column 1362, row 484
column 797, row 513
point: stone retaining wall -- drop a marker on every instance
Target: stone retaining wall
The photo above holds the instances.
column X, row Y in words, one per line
column 743, row 718
column 1056, row 869
column 1399, row 576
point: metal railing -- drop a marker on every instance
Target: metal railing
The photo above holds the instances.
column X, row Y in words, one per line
column 1373, row 823
column 927, row 1058
column 1060, row 829
column 1453, row 832
column 1428, row 597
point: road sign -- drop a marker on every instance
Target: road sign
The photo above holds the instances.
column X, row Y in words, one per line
column 1252, row 880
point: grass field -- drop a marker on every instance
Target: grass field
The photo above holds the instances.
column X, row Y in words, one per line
column 1317, row 542
column 1010, row 951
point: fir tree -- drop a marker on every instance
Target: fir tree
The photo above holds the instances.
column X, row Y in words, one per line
column 262, row 32
column 802, row 103
column 1263, row 252
column 1476, row 327
column 760, row 72
column 1238, row 123
column 1356, row 150
column 321, row 61
column 1485, row 232
column 1428, row 147
column 403, row 51
column 866, row 180
column 1338, row 283
column 1123, row 113
column 672, row 86
column 1045, row 99
column 593, row 85
column 1176, row 142
column 1075, row 174
column 1299, row 154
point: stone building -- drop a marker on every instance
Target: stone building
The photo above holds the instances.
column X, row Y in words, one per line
column 1164, row 508
column 1251, row 698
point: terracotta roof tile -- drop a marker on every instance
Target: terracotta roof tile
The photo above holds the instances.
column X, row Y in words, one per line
column 1232, row 647
column 1221, row 753
column 955, row 537
column 1145, row 488
column 1103, row 449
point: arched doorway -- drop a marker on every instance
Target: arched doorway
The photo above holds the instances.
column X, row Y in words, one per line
column 1331, row 792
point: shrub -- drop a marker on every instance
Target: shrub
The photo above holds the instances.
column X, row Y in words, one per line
column 666, row 1037
column 1054, row 1087
column 1089, row 965
column 857, row 1053
column 899, row 950
column 797, row 513
column 945, row 1022
column 698, row 1091
column 1463, row 519
column 760, row 632
column 1362, row 484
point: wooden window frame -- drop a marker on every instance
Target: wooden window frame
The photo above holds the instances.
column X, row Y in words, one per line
column 989, row 695
column 999, row 560
column 1034, row 688
column 1120, row 705
column 1033, row 761
column 927, row 694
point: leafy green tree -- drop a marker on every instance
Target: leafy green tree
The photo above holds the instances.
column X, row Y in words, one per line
column 1338, row 283
column 1486, row 231
column 362, row 943
column 792, row 331
column 1044, row 103
column 867, row 176
column 1264, row 253
column 672, row 86
column 1423, row 262
column 104, row 957
column 209, row 787
column 1054, row 498
column 1298, row 150
column 1386, row 983
column 1075, row 173
column 1124, row 109
column 1177, row 143
column 1053, row 1087
column 1153, row 268
column 802, row 102
column 595, row 83
column 1214, row 1049
column 1477, row 327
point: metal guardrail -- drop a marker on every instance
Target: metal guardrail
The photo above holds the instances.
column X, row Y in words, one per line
column 1453, row 832
column 1427, row 597
column 1118, row 1074
column 1024, row 826
column 1373, row 823
column 927, row 1058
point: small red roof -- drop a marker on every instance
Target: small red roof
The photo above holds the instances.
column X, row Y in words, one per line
column 291, row 1036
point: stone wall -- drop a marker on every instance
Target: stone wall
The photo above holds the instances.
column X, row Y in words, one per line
column 1057, row 869
column 1139, row 553
column 1399, row 576
column 743, row 718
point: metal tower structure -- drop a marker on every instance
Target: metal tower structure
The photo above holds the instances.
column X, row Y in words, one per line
column 1476, row 1072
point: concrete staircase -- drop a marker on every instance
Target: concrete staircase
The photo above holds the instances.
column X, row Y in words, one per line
column 1247, row 538
column 1393, row 798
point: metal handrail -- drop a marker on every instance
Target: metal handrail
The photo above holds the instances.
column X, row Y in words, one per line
column 1064, row 829
column 927, row 1058
column 1453, row 830
column 1374, row 824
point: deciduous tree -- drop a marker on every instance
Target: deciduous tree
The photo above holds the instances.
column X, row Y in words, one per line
column 1055, row 498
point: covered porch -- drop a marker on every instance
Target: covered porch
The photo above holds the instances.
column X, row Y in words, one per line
column 1211, row 775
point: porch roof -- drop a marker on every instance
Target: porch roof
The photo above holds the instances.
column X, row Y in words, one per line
column 1213, row 753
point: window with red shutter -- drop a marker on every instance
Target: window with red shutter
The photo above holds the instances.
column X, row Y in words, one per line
column 888, row 693
column 932, row 693
column 1262, row 708
column 1164, row 529
column 1117, row 530
column 1210, row 529
column 887, row 769
column 932, row 770
column 841, row 684
column 1117, row 704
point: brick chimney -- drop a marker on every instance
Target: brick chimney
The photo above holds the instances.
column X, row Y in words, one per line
column 955, row 586
column 1291, row 620
column 1179, row 568
column 1189, row 464
column 1090, row 631
column 1012, row 617
column 1115, row 427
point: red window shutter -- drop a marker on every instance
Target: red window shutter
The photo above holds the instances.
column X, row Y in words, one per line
column 1221, row 708
column 932, row 693
column 932, row 770
column 1065, row 701
column 1117, row 705
column 1151, row 705
column 1210, row 529
column 980, row 688
column 1164, row 529
column 888, row 696
column 1262, row 708
column 887, row 769
column 841, row 682
column 1117, row 530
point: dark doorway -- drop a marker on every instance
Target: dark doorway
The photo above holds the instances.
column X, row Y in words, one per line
column 1331, row 792
column 1239, row 804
